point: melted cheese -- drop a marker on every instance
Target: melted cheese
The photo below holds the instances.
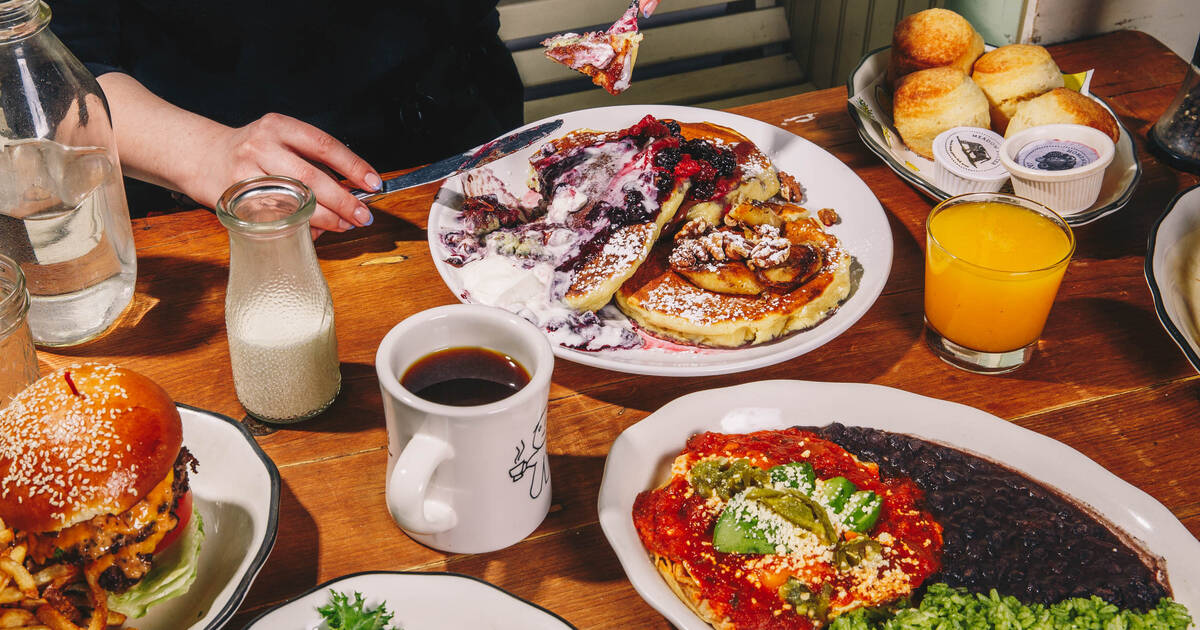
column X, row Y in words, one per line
column 94, row 538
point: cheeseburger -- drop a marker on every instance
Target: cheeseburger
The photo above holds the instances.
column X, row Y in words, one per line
column 94, row 485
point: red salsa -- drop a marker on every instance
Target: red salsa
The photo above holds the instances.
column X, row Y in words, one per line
column 676, row 523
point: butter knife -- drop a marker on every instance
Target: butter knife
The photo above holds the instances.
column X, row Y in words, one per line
column 474, row 158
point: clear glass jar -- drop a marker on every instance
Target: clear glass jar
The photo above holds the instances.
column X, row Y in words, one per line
column 18, row 361
column 63, row 214
column 1176, row 135
column 278, row 311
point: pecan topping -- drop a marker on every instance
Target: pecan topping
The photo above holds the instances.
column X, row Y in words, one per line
column 770, row 249
column 692, row 229
column 722, row 245
column 687, row 254
column 828, row 216
column 789, row 188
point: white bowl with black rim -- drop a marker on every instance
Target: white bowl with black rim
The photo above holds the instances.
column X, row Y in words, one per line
column 236, row 493
column 1173, row 271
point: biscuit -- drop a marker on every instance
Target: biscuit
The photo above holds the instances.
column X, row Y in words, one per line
column 1061, row 105
column 928, row 102
column 1011, row 75
column 933, row 38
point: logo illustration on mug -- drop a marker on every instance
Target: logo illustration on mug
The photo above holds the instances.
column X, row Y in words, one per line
column 533, row 460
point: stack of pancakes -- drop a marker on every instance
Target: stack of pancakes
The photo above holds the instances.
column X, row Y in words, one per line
column 718, row 303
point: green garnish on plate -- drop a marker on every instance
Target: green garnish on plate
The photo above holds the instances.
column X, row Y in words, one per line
column 947, row 608
column 342, row 614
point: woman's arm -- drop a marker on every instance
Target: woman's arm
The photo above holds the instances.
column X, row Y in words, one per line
column 171, row 147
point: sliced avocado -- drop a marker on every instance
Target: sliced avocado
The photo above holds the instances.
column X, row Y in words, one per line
column 862, row 511
column 798, row 475
column 834, row 493
column 736, row 533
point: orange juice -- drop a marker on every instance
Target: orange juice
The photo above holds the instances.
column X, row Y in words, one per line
column 991, row 272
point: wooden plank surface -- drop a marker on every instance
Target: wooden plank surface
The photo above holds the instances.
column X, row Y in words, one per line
column 1106, row 379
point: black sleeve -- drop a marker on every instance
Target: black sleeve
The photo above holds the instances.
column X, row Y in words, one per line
column 91, row 31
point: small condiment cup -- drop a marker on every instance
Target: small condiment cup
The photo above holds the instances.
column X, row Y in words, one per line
column 967, row 159
column 1060, row 166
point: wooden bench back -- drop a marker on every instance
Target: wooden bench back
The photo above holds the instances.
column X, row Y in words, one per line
column 709, row 53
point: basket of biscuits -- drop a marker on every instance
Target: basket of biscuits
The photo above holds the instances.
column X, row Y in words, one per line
column 951, row 115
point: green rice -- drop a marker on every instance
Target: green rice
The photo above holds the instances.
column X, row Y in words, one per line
column 946, row 608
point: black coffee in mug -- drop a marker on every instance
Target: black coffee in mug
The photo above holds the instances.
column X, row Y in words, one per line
column 465, row 376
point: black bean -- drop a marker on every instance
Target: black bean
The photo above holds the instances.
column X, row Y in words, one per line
column 1005, row 531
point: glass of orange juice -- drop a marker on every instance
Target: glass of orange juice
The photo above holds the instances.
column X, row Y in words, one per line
column 993, row 263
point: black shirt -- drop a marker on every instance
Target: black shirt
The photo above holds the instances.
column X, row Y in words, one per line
column 401, row 82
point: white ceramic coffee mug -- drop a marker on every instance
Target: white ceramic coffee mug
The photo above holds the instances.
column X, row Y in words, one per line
column 466, row 479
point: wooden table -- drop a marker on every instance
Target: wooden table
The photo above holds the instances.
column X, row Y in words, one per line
column 1106, row 380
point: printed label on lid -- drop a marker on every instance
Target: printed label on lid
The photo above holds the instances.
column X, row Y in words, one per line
column 1056, row 155
column 969, row 152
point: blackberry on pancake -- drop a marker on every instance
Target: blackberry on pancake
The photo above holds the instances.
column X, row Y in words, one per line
column 93, row 474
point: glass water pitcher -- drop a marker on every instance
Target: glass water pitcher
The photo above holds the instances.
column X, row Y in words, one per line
column 63, row 215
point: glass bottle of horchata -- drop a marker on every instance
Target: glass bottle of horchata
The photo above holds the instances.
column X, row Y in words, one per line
column 63, row 215
column 278, row 310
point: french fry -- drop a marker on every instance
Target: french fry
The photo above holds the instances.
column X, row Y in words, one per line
column 10, row 595
column 115, row 618
column 16, row 618
column 19, row 575
column 56, row 620
column 53, row 573
column 18, row 553
column 6, row 535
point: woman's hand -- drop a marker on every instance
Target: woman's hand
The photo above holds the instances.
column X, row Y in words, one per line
column 647, row 6
column 281, row 145
column 174, row 148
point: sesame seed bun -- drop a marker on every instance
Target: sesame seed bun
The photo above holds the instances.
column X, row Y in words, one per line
column 1013, row 74
column 85, row 441
column 933, row 38
column 929, row 102
column 1061, row 105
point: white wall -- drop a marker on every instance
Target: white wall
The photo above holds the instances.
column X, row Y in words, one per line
column 1175, row 23
column 998, row 21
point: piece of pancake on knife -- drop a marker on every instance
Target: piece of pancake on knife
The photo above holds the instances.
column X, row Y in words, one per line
column 770, row 269
column 607, row 58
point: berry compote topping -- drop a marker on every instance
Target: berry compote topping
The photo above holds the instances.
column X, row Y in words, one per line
column 712, row 169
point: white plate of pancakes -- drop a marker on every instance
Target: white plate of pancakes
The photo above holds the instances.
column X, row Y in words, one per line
column 1120, row 178
column 862, row 232
column 641, row 457
column 417, row 600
